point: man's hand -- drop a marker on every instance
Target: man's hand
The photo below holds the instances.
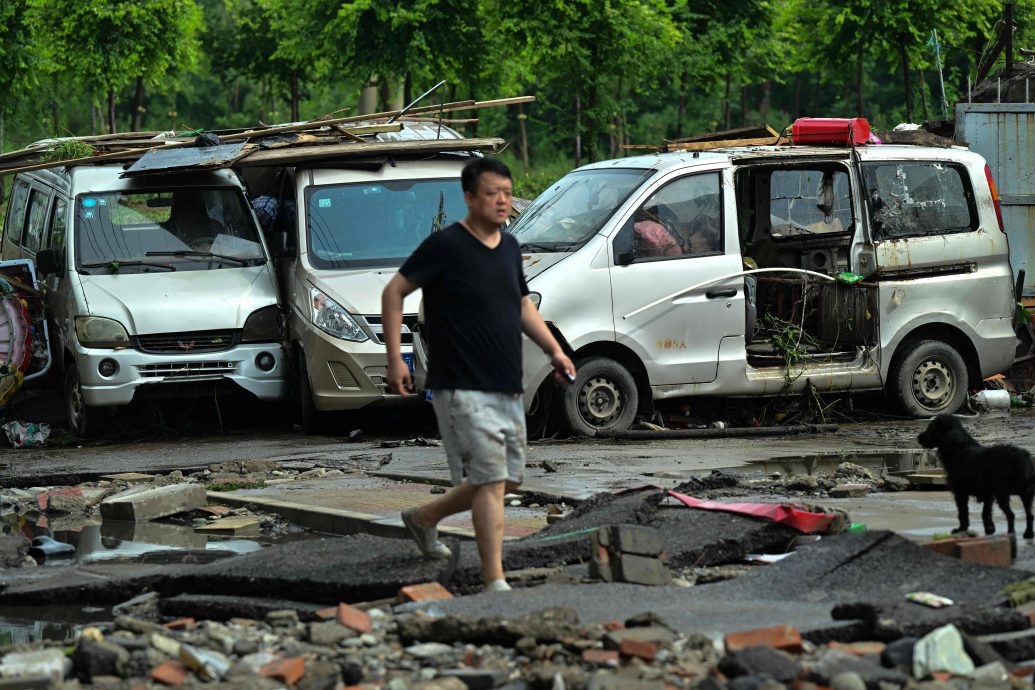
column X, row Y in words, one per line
column 563, row 369
column 399, row 376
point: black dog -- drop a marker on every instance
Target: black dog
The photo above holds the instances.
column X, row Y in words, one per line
column 985, row 472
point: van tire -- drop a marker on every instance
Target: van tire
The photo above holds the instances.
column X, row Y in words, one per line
column 83, row 420
column 310, row 419
column 929, row 377
column 603, row 397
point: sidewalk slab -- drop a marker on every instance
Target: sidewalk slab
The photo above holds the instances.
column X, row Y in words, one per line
column 359, row 503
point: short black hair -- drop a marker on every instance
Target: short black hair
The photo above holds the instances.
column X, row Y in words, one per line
column 472, row 172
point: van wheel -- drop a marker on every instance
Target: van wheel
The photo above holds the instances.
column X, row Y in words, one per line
column 602, row 397
column 929, row 377
column 312, row 420
column 84, row 420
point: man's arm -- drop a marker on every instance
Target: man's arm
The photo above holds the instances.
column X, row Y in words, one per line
column 535, row 328
column 391, row 322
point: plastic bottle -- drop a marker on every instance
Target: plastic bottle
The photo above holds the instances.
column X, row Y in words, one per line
column 856, row 527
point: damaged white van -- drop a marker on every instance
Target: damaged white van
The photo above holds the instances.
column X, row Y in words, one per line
column 716, row 274
column 155, row 285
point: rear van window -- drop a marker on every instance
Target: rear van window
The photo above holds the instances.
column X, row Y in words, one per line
column 918, row 198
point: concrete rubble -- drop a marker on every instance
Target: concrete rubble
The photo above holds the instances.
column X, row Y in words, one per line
column 631, row 591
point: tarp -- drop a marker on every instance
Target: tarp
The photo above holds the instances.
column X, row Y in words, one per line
column 799, row 519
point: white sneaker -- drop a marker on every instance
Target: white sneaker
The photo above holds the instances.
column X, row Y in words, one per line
column 426, row 537
column 497, row 586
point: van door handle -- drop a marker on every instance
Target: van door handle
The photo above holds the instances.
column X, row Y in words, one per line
column 720, row 294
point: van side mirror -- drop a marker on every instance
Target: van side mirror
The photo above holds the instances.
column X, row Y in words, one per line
column 48, row 262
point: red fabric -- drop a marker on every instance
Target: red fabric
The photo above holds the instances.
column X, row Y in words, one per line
column 655, row 239
column 801, row 520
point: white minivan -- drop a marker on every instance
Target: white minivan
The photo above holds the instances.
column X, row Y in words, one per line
column 155, row 285
column 719, row 273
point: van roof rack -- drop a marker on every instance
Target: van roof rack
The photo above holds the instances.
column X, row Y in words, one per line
column 322, row 139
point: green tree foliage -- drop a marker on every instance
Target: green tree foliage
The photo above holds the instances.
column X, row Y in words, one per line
column 606, row 73
column 106, row 46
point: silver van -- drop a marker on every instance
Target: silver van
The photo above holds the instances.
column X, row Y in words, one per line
column 342, row 230
column 758, row 271
column 155, row 286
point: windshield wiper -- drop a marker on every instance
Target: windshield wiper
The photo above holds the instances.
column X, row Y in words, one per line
column 207, row 255
column 536, row 247
column 115, row 264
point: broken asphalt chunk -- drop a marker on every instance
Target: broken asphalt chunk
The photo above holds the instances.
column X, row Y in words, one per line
column 135, row 505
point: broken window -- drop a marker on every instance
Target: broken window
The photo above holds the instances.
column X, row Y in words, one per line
column 917, row 198
column 807, row 202
column 38, row 203
column 16, row 214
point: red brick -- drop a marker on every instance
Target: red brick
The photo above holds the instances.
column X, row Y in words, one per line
column 42, row 499
column 428, row 591
column 986, row 550
column 645, row 650
column 994, row 551
column 941, row 676
column 858, row 648
column 611, row 626
column 172, row 672
column 328, row 613
column 288, row 670
column 181, row 624
column 351, row 617
column 599, row 656
column 785, row 637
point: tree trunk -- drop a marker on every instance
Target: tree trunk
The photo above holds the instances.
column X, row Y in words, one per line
column 859, row 109
column 763, row 105
column 111, row 111
column 474, row 114
column 797, row 96
column 55, row 105
column 903, row 39
column 743, row 105
column 408, row 89
column 294, row 97
column 923, row 93
column 578, row 130
column 684, row 79
column 264, row 89
column 1, row 131
column 522, row 118
column 368, row 97
column 384, row 94
column 93, row 116
column 138, row 106
column 815, row 96
column 726, row 101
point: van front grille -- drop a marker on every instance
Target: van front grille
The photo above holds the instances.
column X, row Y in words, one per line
column 409, row 322
column 178, row 343
column 187, row 371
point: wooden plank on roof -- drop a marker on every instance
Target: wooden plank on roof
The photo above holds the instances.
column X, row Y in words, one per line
column 116, row 157
column 776, row 140
column 186, row 159
column 299, row 154
column 752, row 132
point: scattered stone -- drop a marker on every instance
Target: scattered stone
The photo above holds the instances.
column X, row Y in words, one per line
column 143, row 607
column 356, row 436
column 754, row 661
column 849, row 490
column 852, row 470
column 549, row 466
column 150, row 504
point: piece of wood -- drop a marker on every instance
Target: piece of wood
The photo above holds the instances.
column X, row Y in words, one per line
column 752, row 132
column 727, row 143
column 235, row 524
column 104, row 157
column 347, row 134
column 437, row 120
column 288, row 156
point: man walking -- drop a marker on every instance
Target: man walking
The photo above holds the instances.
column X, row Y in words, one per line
column 476, row 307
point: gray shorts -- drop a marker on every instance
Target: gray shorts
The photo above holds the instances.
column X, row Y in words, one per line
column 484, row 435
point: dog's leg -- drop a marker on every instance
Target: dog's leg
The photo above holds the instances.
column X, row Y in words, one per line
column 962, row 512
column 1004, row 504
column 1026, row 499
column 986, row 514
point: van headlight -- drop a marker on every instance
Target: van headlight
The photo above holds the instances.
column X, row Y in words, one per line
column 263, row 326
column 97, row 331
column 330, row 317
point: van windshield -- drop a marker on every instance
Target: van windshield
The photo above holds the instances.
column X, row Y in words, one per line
column 575, row 208
column 141, row 231
column 377, row 223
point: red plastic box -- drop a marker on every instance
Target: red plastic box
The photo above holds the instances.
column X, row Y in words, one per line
column 839, row 131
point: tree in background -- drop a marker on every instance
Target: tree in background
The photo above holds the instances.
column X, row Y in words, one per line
column 106, row 46
column 17, row 69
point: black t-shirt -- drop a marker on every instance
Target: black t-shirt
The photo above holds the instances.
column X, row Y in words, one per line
column 472, row 310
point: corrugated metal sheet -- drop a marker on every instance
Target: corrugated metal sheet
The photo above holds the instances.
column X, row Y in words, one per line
column 1004, row 133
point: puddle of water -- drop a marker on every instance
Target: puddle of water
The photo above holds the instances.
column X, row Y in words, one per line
column 880, row 463
column 53, row 623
